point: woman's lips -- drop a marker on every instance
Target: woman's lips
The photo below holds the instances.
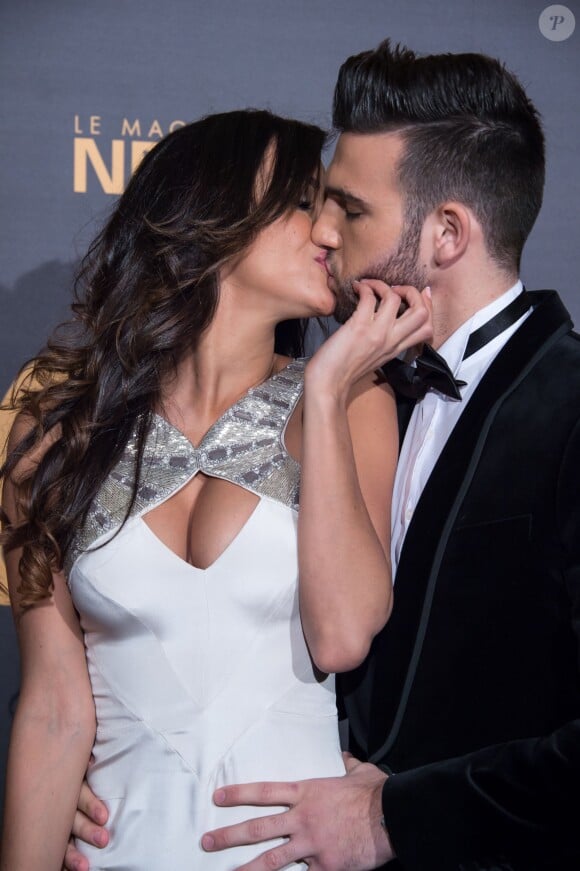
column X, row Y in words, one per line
column 323, row 260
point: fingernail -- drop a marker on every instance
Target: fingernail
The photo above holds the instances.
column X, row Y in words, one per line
column 207, row 842
column 219, row 796
column 427, row 291
column 99, row 839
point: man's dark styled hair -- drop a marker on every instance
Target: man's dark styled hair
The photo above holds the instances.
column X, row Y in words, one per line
column 470, row 133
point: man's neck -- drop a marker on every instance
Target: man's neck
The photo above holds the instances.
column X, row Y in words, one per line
column 452, row 307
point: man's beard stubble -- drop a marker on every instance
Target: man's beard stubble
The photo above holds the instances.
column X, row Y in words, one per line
column 401, row 267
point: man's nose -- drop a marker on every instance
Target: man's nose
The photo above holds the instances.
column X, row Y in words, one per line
column 324, row 231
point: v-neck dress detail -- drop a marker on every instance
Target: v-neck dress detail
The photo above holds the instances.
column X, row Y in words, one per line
column 200, row 677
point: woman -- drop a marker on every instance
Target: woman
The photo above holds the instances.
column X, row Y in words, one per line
column 151, row 504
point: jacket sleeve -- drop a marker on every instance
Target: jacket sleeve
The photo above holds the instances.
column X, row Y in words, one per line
column 512, row 805
column 516, row 803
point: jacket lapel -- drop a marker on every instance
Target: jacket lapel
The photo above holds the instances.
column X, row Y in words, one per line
column 397, row 649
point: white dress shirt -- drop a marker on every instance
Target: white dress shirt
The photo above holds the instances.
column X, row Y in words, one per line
column 435, row 416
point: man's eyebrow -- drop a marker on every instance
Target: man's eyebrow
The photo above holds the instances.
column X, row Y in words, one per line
column 345, row 196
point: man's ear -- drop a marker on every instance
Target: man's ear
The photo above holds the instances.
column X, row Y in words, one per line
column 451, row 229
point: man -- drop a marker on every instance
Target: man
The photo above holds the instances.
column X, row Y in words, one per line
column 468, row 706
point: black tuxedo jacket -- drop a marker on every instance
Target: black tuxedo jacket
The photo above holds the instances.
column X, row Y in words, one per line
column 471, row 694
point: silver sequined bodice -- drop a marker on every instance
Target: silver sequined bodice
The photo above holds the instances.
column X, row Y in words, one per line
column 245, row 446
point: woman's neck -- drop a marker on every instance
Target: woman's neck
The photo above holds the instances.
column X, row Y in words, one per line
column 233, row 354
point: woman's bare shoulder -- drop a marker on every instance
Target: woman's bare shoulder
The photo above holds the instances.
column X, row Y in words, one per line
column 373, row 388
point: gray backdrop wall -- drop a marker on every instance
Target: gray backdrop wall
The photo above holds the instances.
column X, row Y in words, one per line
column 87, row 87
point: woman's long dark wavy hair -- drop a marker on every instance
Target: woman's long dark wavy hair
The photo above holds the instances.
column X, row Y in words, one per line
column 145, row 292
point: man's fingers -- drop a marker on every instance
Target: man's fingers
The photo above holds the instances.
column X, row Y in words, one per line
column 73, row 860
column 279, row 857
column 248, row 832
column 350, row 761
column 253, row 832
column 86, row 830
column 91, row 806
column 258, row 794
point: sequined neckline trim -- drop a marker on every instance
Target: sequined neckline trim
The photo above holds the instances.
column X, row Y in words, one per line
column 245, row 446
column 297, row 363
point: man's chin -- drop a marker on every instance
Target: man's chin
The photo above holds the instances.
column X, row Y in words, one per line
column 346, row 302
column 341, row 315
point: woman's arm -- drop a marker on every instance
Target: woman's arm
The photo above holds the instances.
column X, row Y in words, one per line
column 349, row 455
column 54, row 725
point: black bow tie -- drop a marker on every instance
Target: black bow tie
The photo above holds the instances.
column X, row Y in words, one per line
column 431, row 372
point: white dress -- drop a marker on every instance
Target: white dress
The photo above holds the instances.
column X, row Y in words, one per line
column 201, row 677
